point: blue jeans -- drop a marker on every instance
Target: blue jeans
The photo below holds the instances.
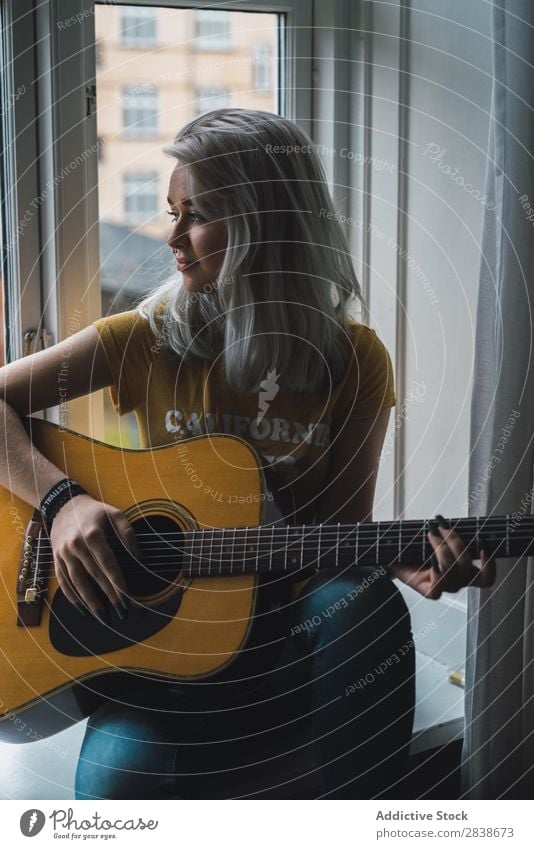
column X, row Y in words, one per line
column 345, row 680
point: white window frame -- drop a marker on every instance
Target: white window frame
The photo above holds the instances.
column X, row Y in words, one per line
column 25, row 201
column 55, row 274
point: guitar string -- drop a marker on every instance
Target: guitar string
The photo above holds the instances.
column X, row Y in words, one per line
column 236, row 562
column 251, row 535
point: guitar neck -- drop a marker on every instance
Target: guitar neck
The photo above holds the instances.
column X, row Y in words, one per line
column 290, row 548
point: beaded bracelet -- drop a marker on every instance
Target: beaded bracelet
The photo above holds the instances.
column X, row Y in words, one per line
column 56, row 497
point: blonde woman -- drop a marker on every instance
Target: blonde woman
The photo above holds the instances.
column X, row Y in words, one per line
column 259, row 304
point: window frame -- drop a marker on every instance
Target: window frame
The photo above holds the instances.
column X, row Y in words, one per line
column 54, row 274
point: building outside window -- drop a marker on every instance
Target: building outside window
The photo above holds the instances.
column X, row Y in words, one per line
column 211, row 98
column 138, row 26
column 212, row 30
column 140, row 111
column 261, row 67
column 141, row 196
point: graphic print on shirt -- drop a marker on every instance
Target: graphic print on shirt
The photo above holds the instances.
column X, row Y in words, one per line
column 276, row 430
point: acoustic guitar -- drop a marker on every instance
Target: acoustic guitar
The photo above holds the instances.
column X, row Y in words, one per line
column 210, row 596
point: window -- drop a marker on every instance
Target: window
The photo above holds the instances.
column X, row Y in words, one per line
column 212, row 30
column 140, row 111
column 211, row 98
column 261, row 67
column 138, row 26
column 141, row 200
column 98, row 55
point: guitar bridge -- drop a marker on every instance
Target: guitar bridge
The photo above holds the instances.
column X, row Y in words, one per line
column 31, row 585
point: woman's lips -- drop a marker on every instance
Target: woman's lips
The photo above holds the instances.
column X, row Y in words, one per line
column 182, row 263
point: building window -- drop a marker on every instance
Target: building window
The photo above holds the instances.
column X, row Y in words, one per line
column 98, row 55
column 261, row 67
column 212, row 30
column 140, row 111
column 211, row 98
column 138, row 26
column 141, row 196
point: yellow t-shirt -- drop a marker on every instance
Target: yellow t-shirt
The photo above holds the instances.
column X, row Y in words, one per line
column 174, row 399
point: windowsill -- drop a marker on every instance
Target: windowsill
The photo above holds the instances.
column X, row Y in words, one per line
column 439, row 629
column 439, row 708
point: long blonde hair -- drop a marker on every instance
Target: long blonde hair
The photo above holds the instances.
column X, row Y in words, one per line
column 281, row 296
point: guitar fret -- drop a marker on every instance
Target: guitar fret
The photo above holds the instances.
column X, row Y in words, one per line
column 271, row 549
column 357, row 543
column 507, row 536
column 302, row 548
column 200, row 555
column 337, row 546
column 245, row 549
column 319, row 546
column 232, row 554
column 211, row 547
column 257, row 552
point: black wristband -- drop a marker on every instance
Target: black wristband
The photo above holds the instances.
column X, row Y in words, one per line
column 56, row 497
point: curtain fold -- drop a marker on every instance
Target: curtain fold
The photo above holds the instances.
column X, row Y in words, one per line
column 498, row 751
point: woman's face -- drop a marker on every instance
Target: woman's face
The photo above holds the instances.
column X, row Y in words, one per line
column 198, row 244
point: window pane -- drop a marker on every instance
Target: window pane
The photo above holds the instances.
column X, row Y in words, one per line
column 212, row 30
column 153, row 76
column 138, row 26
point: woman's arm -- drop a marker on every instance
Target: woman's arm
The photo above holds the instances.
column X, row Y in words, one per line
column 70, row 369
column 349, row 497
column 67, row 370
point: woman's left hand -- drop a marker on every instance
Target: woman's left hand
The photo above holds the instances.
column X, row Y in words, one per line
column 455, row 568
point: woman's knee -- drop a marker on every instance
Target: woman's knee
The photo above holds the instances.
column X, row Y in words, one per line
column 126, row 753
column 365, row 597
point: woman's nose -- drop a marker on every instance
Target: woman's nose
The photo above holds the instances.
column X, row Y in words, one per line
column 178, row 235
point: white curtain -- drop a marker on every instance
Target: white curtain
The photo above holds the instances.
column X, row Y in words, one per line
column 498, row 754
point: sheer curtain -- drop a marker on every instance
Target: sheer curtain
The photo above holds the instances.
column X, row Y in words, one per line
column 498, row 756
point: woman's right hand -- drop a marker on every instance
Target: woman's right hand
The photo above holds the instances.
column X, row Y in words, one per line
column 83, row 556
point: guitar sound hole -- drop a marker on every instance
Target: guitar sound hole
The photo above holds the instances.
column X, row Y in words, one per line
column 161, row 543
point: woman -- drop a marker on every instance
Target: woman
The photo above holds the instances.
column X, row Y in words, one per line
column 256, row 341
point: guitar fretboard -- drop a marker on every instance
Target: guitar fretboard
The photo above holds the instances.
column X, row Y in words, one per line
column 289, row 548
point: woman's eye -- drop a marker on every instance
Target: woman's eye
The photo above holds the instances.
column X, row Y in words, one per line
column 194, row 215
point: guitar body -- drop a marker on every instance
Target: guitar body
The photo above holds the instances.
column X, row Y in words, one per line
column 57, row 666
